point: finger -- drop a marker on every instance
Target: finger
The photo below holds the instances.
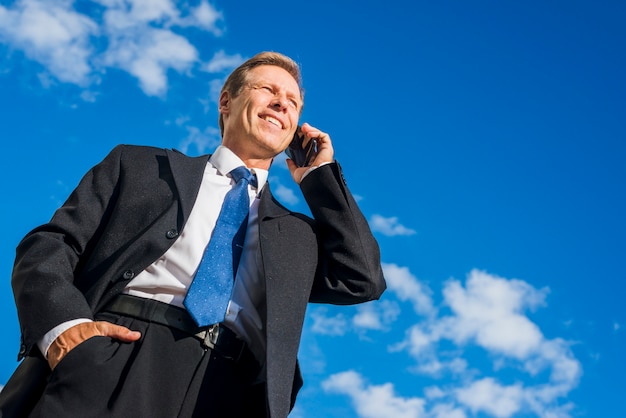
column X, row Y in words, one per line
column 310, row 131
column 296, row 172
column 117, row 332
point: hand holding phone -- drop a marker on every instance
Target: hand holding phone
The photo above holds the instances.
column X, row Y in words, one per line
column 301, row 155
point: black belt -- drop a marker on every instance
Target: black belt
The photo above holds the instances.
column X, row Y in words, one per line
column 217, row 337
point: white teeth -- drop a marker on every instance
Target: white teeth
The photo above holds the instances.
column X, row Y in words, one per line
column 273, row 121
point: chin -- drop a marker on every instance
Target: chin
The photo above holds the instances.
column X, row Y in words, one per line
column 276, row 146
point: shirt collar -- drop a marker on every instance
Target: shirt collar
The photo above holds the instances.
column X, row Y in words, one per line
column 225, row 161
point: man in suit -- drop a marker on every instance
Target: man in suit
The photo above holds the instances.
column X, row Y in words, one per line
column 101, row 289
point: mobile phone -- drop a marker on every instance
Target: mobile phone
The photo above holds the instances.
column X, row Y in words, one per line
column 302, row 156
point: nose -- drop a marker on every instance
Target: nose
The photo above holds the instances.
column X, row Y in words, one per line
column 279, row 103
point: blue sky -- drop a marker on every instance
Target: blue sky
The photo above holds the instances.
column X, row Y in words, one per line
column 484, row 140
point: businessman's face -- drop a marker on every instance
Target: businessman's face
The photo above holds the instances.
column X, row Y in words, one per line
column 260, row 122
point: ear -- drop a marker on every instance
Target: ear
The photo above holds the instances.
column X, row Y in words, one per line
column 224, row 103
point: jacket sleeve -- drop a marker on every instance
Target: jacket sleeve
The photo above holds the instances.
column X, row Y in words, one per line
column 349, row 268
column 49, row 257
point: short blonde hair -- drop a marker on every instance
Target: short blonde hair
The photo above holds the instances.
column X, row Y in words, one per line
column 238, row 78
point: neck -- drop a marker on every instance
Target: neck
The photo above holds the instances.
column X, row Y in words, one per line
column 249, row 159
column 263, row 164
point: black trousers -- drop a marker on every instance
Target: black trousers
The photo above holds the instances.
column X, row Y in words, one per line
column 167, row 373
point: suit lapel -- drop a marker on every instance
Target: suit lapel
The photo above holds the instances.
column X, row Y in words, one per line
column 282, row 320
column 187, row 173
column 269, row 207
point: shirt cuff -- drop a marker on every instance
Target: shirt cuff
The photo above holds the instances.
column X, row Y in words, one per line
column 47, row 340
column 311, row 169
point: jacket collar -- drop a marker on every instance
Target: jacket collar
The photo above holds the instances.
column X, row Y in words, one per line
column 187, row 173
column 269, row 207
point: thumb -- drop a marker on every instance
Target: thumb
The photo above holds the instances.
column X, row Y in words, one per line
column 296, row 172
column 291, row 165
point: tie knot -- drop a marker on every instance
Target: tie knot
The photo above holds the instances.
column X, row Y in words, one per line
column 243, row 173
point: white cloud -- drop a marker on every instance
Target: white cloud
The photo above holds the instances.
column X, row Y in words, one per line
column 389, row 226
column 408, row 288
column 215, row 88
column 135, row 36
column 88, row 96
column 373, row 401
column 418, row 342
column 223, row 62
column 433, row 366
column 201, row 140
column 489, row 310
column 376, row 316
column 447, row 410
column 148, row 54
column 434, row 392
column 488, row 396
column 284, row 193
column 204, row 16
column 565, row 370
column 328, row 325
column 53, row 34
column 141, row 42
column 485, row 313
column 127, row 12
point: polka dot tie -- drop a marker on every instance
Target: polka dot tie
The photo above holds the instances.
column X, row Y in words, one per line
column 211, row 289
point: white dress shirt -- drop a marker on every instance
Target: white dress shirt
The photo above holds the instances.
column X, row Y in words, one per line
column 169, row 277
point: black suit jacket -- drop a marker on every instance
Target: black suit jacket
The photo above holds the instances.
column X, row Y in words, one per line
column 128, row 210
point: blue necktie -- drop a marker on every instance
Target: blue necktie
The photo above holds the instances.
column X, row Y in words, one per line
column 211, row 289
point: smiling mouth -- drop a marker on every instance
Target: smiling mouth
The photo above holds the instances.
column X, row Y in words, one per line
column 273, row 121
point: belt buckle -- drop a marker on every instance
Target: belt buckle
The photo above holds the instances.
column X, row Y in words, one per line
column 210, row 335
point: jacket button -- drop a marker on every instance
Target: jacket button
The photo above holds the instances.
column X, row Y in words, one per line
column 128, row 274
column 22, row 352
column 172, row 233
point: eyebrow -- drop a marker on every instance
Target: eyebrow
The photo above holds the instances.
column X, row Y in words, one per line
column 275, row 85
